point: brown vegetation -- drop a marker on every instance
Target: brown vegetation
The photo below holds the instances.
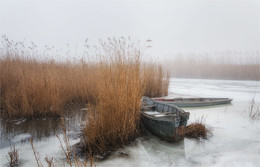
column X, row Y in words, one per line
column 220, row 65
column 13, row 157
column 122, row 81
column 156, row 82
column 51, row 163
column 114, row 119
column 112, row 84
column 36, row 155
column 32, row 88
column 197, row 130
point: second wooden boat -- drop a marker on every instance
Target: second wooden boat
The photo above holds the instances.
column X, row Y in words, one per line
column 195, row 102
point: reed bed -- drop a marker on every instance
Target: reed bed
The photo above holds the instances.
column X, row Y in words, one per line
column 219, row 65
column 31, row 88
column 114, row 119
column 156, row 81
column 112, row 84
column 122, row 81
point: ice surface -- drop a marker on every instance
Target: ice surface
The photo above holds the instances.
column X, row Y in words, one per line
column 235, row 140
column 21, row 137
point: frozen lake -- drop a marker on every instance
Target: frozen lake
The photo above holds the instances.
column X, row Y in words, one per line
column 236, row 139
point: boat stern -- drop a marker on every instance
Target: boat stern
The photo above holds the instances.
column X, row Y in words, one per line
column 179, row 134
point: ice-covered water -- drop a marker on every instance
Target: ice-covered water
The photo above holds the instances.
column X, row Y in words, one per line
column 235, row 140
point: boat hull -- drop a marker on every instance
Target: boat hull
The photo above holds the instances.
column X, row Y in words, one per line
column 163, row 129
column 170, row 125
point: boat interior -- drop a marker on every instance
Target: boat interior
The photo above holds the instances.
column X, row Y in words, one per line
column 158, row 109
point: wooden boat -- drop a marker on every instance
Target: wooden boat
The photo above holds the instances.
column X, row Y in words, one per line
column 195, row 102
column 164, row 120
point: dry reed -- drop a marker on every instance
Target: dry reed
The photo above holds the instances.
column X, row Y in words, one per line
column 197, row 129
column 67, row 150
column 156, row 81
column 220, row 65
column 122, row 81
column 32, row 88
column 49, row 161
column 13, row 156
column 36, row 155
column 72, row 163
column 114, row 119
column 112, row 84
column 254, row 110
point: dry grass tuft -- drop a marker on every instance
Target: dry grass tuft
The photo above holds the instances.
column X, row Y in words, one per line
column 13, row 157
column 197, row 130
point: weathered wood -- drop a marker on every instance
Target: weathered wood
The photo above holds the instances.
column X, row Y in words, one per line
column 149, row 106
column 170, row 125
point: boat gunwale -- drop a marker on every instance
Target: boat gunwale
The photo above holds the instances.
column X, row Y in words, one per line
column 162, row 118
column 182, row 112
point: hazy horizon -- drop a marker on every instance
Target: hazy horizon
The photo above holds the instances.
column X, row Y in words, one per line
column 173, row 26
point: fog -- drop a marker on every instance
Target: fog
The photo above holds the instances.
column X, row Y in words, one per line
column 204, row 41
column 176, row 26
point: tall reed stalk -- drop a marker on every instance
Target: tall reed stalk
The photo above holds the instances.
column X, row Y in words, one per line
column 114, row 120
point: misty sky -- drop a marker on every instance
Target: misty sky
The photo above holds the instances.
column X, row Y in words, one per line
column 173, row 26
